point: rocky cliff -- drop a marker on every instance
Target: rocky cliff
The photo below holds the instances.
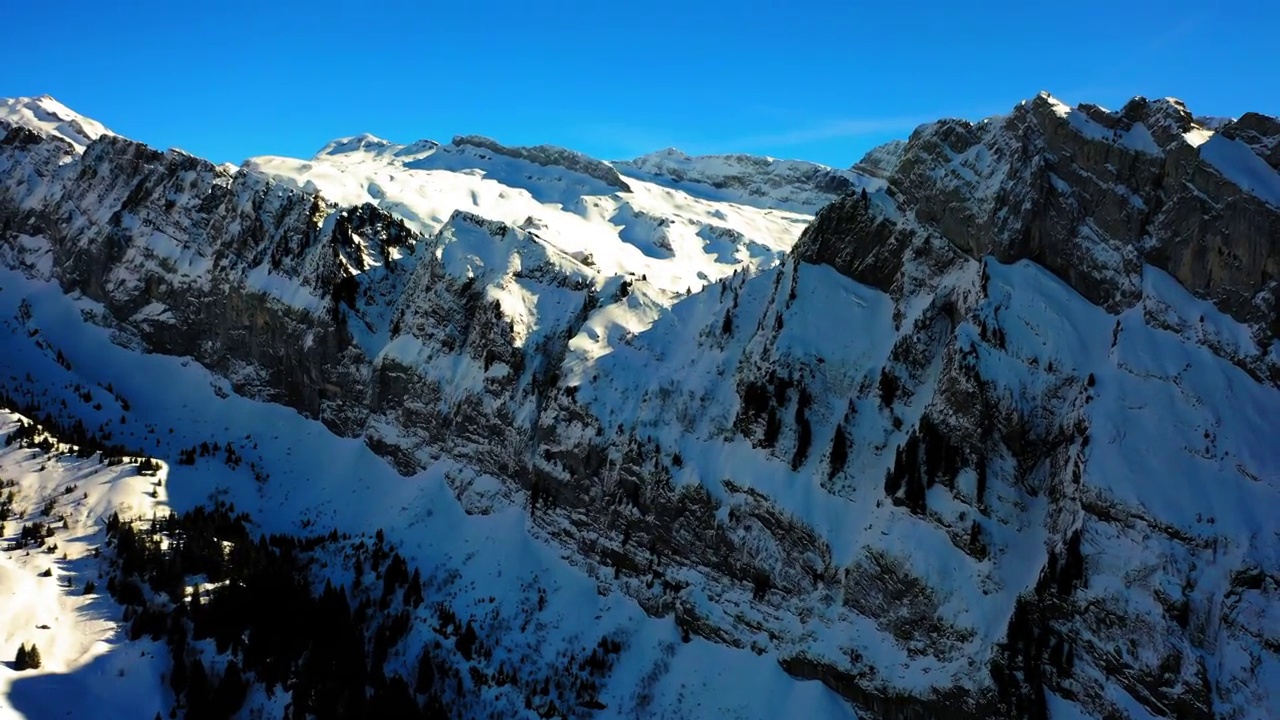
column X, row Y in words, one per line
column 1091, row 195
column 995, row 440
column 882, row 160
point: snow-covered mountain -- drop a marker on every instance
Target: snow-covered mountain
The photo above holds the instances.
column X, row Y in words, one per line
column 677, row 235
column 50, row 117
column 992, row 437
column 749, row 179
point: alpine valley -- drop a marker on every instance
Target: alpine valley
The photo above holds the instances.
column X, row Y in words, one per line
column 984, row 426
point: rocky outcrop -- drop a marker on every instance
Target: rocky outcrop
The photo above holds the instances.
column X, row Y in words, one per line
column 231, row 270
column 1089, row 194
column 882, row 160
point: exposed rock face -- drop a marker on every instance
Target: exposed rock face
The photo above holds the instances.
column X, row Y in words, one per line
column 230, row 270
column 981, row 493
column 1091, row 195
column 882, row 160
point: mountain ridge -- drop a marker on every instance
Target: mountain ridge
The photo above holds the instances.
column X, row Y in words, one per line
column 1161, row 177
column 904, row 460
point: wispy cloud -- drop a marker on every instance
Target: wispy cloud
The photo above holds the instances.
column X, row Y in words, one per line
column 619, row 140
column 1174, row 34
column 854, row 128
column 830, row 130
column 787, row 128
column 1118, row 80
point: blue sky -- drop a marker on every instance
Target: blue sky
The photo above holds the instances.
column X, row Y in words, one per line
column 817, row 80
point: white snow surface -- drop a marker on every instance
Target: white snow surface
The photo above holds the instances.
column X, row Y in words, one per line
column 47, row 115
column 1242, row 166
column 89, row 667
column 679, row 241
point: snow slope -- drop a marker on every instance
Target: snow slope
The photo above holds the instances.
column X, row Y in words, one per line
column 1215, row 479
column 318, row 480
column 90, row 668
column 1242, row 166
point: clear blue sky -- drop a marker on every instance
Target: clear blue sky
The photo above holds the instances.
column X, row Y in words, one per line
column 816, row 80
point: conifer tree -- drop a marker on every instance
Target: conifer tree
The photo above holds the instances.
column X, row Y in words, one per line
column 197, row 685
column 426, row 673
column 178, row 677
column 467, row 640
column 229, row 695
column 839, row 452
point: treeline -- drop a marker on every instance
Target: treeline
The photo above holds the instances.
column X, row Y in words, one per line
column 264, row 618
column 329, row 648
column 243, row 614
column 43, row 427
column 928, row 457
column 760, row 418
column 1035, row 654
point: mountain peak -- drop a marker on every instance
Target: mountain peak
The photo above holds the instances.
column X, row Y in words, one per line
column 47, row 116
column 364, row 142
column 1093, row 195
